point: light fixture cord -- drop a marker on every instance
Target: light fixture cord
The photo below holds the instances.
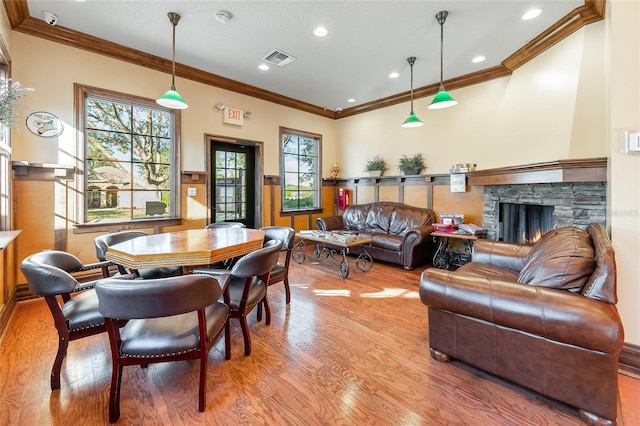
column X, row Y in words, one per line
column 441, row 17
column 174, row 18
column 411, row 60
column 173, row 69
column 441, row 20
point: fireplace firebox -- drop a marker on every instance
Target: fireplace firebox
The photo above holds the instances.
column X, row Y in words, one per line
column 524, row 223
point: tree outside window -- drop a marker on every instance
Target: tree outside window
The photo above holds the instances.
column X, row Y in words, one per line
column 128, row 151
column 300, row 169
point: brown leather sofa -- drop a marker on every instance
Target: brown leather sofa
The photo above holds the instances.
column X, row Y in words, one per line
column 401, row 233
column 542, row 316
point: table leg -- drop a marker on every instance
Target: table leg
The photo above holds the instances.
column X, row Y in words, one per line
column 364, row 261
column 441, row 256
column 298, row 254
column 344, row 265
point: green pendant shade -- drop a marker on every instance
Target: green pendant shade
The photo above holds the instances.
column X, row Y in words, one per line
column 172, row 99
column 412, row 121
column 442, row 100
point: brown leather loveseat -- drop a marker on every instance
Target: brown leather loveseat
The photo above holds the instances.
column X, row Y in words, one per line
column 542, row 316
column 401, row 233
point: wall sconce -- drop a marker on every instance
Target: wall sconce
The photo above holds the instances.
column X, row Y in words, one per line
column 220, row 106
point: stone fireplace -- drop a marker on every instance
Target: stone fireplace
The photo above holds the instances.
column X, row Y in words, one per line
column 574, row 204
column 576, row 190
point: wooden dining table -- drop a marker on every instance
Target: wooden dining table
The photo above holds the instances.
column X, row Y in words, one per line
column 190, row 248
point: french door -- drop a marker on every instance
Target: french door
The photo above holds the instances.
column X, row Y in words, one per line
column 233, row 183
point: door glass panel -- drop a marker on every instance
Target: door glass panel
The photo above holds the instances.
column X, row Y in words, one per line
column 231, row 183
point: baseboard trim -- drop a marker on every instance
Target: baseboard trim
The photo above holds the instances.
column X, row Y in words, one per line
column 7, row 310
column 629, row 359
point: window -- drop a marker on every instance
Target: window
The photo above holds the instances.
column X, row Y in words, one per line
column 300, row 170
column 5, row 161
column 130, row 152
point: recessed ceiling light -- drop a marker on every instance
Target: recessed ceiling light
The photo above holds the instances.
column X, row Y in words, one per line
column 223, row 17
column 263, row 67
column 351, row 100
column 531, row 13
column 478, row 59
column 320, row 31
column 394, row 75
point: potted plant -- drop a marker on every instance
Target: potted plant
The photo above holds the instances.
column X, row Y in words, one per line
column 375, row 166
column 411, row 165
column 10, row 94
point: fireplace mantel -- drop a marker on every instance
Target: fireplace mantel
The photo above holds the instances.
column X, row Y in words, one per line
column 578, row 170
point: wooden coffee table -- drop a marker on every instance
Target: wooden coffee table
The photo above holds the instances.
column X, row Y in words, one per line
column 326, row 248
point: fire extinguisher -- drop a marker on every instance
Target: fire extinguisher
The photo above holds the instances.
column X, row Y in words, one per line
column 343, row 198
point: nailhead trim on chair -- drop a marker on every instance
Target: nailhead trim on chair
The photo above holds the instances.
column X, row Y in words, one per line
column 87, row 327
column 171, row 353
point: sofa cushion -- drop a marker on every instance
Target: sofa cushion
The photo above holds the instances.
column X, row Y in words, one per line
column 387, row 241
column 355, row 217
column 486, row 270
column 379, row 217
column 405, row 218
column 562, row 259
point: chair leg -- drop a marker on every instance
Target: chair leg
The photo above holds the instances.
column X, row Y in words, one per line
column 114, row 394
column 246, row 335
column 267, row 311
column 259, row 312
column 63, row 344
column 203, row 381
column 227, row 340
column 286, row 289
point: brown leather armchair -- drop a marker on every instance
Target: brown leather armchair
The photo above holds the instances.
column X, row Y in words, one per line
column 542, row 316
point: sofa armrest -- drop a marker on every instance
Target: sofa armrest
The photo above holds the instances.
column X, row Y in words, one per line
column 330, row 223
column 420, row 233
column 553, row 314
column 500, row 253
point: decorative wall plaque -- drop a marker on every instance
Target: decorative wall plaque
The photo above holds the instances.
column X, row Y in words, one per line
column 44, row 124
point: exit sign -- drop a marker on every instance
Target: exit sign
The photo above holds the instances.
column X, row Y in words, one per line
column 232, row 116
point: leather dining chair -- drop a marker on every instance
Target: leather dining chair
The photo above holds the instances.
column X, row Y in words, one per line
column 245, row 286
column 280, row 272
column 103, row 242
column 73, row 305
column 168, row 319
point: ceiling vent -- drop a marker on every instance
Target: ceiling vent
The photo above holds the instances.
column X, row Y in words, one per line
column 279, row 58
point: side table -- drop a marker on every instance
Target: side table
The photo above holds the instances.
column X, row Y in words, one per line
column 444, row 257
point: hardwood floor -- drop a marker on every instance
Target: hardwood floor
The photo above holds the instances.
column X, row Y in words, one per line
column 344, row 352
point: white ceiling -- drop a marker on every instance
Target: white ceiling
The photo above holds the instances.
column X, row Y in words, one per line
column 367, row 40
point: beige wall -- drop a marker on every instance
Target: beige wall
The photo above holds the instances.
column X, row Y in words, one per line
column 52, row 69
column 550, row 109
column 624, row 94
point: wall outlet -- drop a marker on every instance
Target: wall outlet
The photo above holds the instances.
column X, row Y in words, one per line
column 191, row 192
column 631, row 142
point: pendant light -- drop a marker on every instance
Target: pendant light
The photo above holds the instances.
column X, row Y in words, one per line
column 172, row 99
column 412, row 120
column 442, row 99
